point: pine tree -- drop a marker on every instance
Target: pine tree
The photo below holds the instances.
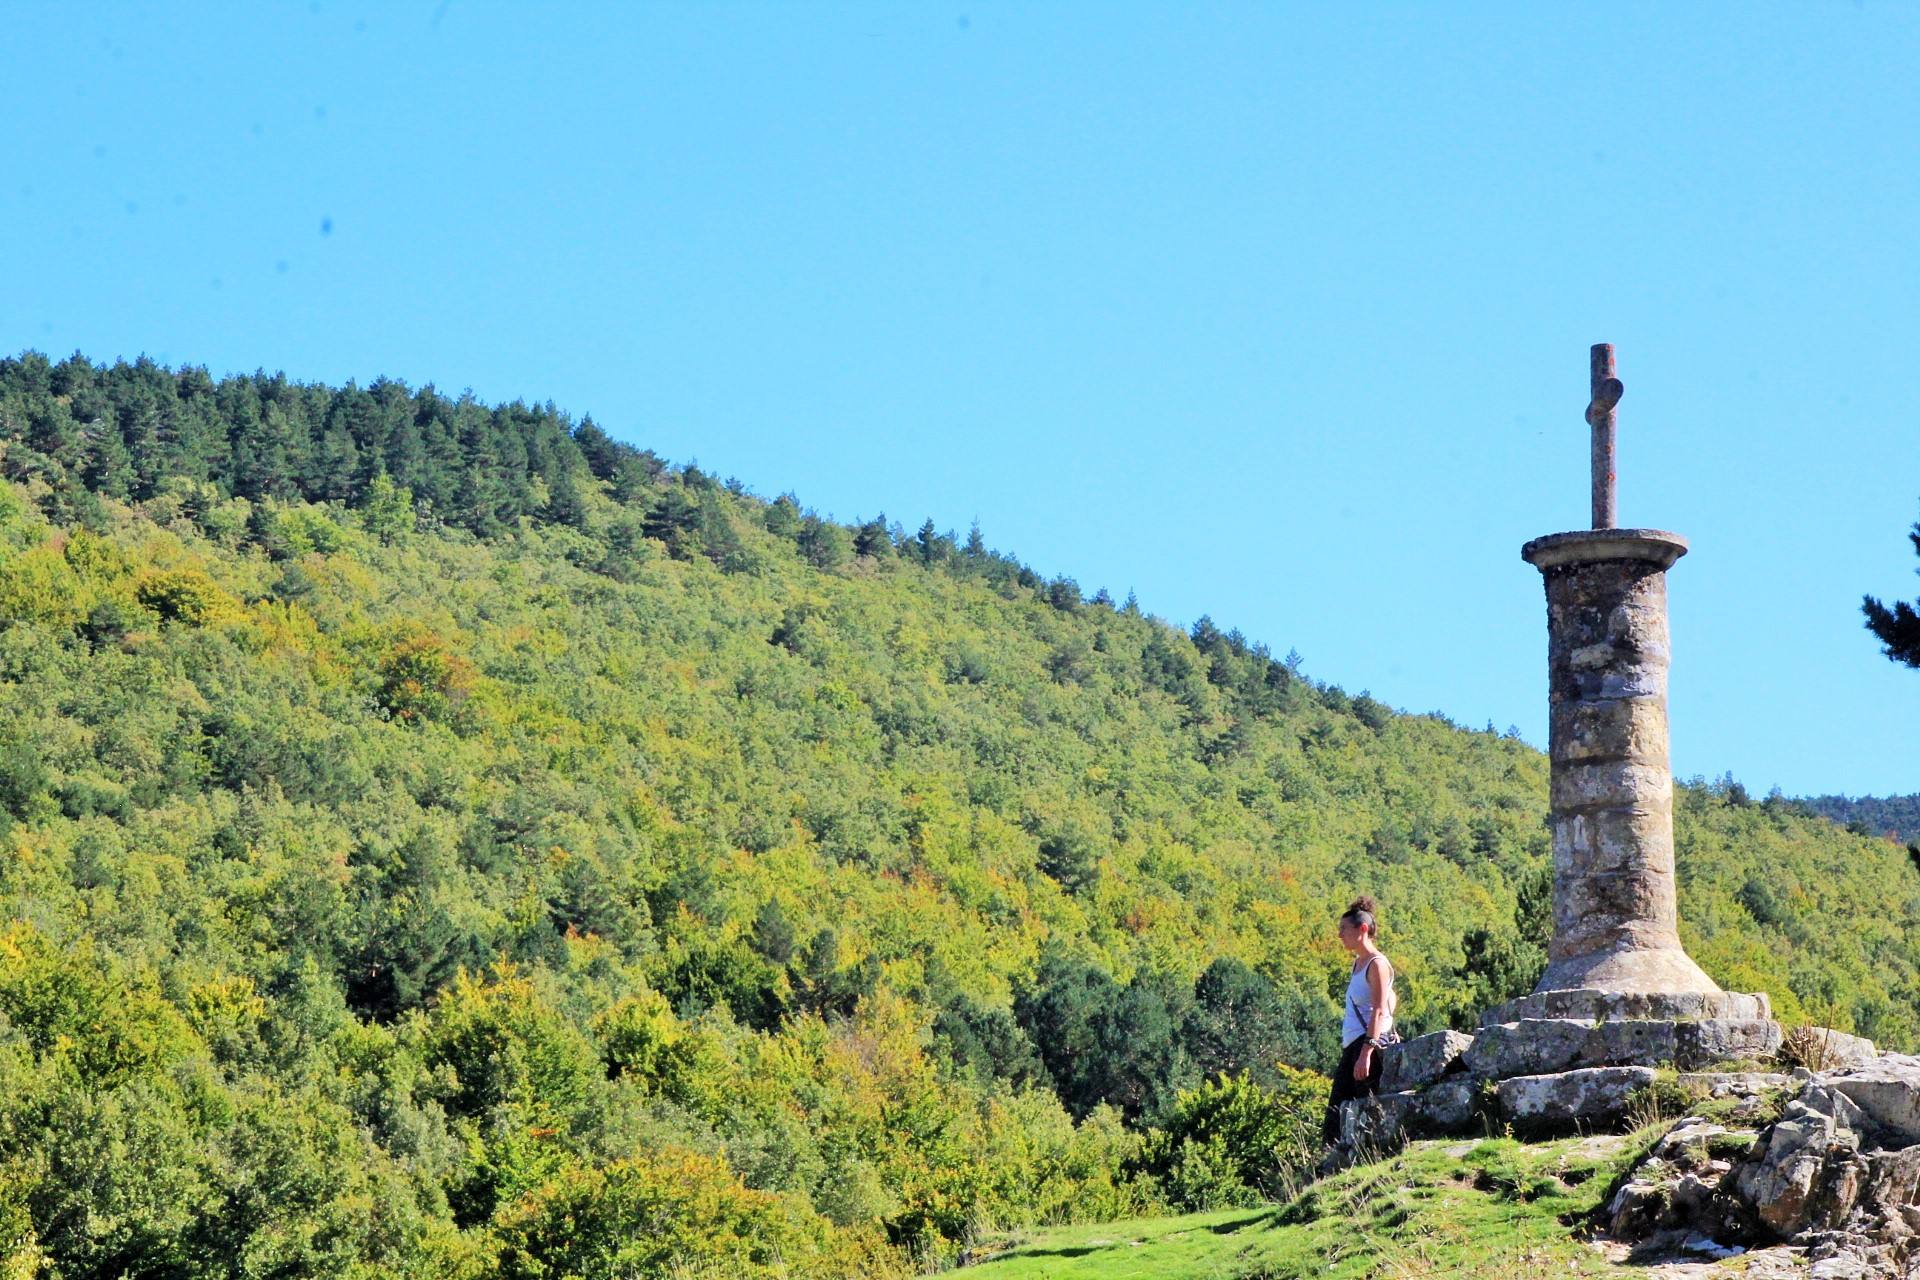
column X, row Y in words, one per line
column 926, row 544
column 1898, row 627
column 872, row 538
column 107, row 467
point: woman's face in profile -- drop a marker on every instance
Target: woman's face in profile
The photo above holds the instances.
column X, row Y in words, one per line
column 1350, row 933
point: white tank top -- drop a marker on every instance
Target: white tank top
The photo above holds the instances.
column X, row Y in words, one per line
column 1360, row 1005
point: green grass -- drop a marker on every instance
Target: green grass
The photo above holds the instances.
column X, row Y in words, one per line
column 1498, row 1209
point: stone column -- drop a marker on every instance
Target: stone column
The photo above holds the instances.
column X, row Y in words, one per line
column 1613, row 886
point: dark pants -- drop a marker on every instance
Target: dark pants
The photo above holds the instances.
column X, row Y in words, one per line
column 1346, row 1087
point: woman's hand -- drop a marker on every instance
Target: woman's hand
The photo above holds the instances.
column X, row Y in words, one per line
column 1363, row 1063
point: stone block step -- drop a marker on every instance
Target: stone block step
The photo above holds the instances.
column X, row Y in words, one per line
column 1417, row 1063
column 1542, row 1046
column 1706, row 1041
column 1387, row 1120
column 1593, row 1005
column 1593, row 1097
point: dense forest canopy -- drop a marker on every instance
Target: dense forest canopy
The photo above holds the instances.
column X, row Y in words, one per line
column 1895, row 817
column 438, row 838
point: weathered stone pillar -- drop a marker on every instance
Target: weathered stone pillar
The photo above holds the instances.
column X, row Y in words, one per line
column 1616, row 950
column 1620, row 996
column 1614, row 910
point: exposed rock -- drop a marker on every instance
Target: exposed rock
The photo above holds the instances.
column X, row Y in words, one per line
column 1636, row 1209
column 1531, row 1048
column 1888, row 1091
column 1417, row 1063
column 1828, row 1178
column 1705, row 1041
column 1820, row 1095
column 1785, row 1180
column 1691, row 1194
column 1686, row 1143
column 1892, row 1188
column 1596, row 1095
column 1374, row 1125
column 1842, row 1267
column 1446, row 1107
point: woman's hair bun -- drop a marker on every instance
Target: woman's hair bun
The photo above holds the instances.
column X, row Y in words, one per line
column 1364, row 903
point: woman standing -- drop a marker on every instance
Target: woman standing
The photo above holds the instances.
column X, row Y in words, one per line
column 1368, row 1023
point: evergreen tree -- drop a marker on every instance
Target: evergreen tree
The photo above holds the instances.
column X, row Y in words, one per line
column 1238, row 1024
column 782, row 517
column 107, row 467
column 926, row 544
column 564, row 502
column 872, row 538
column 1898, row 627
column 332, row 467
column 603, row 453
column 823, row 544
column 675, row 521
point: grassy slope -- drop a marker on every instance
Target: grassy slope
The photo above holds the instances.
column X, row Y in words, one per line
column 1496, row 1208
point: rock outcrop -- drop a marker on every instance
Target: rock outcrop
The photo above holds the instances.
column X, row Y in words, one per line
column 1576, row 1065
column 1832, row 1177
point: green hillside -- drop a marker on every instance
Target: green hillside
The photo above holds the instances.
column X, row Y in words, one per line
column 1494, row 1209
column 1894, row 817
column 438, row 839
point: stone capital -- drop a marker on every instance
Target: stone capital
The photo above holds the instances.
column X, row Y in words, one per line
column 1585, row 546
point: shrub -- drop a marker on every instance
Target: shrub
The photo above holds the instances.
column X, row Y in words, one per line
column 1232, row 1141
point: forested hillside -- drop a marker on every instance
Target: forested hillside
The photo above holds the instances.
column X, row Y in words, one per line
column 1894, row 816
column 438, row 839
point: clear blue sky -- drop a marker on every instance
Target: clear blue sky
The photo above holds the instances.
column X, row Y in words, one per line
column 1276, row 313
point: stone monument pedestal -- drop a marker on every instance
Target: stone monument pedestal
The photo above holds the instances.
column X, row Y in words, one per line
column 1620, row 997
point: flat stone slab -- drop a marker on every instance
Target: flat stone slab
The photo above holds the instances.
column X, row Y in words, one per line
column 1705, row 1041
column 1417, row 1063
column 1542, row 1046
column 1591, row 1004
column 1595, row 1095
column 1536, row 1046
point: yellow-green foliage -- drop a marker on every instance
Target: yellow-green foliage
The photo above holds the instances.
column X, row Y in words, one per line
column 385, row 898
column 186, row 596
column 682, row 1215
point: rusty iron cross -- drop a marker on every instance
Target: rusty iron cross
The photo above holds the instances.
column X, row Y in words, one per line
column 1607, row 391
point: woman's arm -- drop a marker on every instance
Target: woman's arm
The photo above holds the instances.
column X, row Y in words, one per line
column 1380, row 982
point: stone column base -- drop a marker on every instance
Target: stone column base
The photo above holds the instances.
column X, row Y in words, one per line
column 1596, row 1005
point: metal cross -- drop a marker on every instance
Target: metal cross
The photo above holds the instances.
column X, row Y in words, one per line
column 1607, row 391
